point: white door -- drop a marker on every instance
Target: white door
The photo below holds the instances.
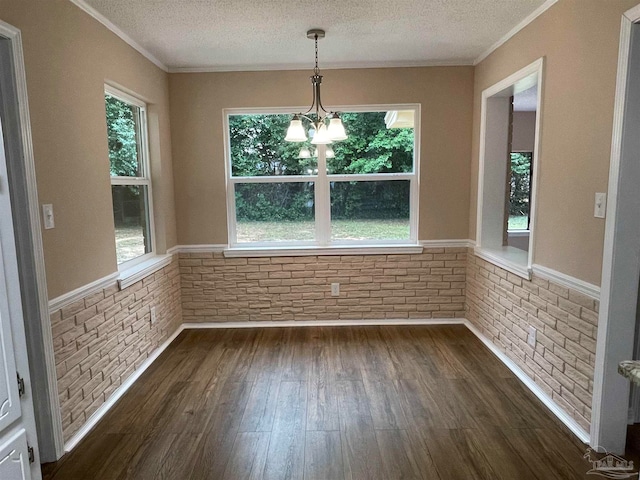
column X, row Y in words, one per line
column 17, row 423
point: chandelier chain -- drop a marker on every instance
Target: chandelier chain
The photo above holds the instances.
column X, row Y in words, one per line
column 316, row 70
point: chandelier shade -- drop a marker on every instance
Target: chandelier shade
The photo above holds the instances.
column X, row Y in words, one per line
column 321, row 137
column 304, row 153
column 336, row 129
column 295, row 132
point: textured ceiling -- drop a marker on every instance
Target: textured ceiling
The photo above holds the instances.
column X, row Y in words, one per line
column 270, row 34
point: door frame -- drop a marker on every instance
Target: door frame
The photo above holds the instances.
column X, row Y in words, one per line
column 620, row 263
column 33, row 282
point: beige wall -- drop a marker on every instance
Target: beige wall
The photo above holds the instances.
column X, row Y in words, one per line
column 579, row 40
column 68, row 57
column 197, row 100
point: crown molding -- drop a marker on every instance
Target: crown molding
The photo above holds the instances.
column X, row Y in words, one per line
column 530, row 18
column 329, row 66
column 84, row 6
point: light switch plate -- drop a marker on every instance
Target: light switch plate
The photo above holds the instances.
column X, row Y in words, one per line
column 600, row 206
column 47, row 215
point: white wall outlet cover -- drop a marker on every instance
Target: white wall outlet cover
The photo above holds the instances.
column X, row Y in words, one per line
column 153, row 315
column 47, row 215
column 600, row 207
column 335, row 289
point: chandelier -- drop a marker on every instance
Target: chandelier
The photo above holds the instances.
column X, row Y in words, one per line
column 323, row 134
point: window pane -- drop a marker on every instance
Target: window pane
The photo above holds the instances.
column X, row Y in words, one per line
column 131, row 217
column 275, row 212
column 123, row 130
column 520, row 191
column 258, row 147
column 371, row 146
column 370, row 210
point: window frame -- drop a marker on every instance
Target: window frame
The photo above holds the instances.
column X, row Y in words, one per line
column 510, row 258
column 145, row 168
column 321, row 180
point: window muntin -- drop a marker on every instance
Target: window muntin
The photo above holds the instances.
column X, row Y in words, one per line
column 520, row 190
column 130, row 179
column 372, row 156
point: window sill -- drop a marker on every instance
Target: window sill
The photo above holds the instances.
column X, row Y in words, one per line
column 138, row 272
column 332, row 250
column 518, row 233
column 511, row 259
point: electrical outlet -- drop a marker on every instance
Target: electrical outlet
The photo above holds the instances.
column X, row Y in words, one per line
column 153, row 315
column 335, row 289
column 531, row 338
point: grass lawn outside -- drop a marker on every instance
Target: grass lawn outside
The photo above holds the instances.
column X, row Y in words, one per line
column 394, row 229
column 129, row 243
column 517, row 222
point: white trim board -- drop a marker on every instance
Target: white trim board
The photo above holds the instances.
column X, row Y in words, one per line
column 353, row 250
column 528, row 382
column 568, row 281
column 88, row 9
column 454, row 243
column 511, row 33
column 81, row 292
column 321, row 251
column 119, row 392
column 569, row 422
column 203, row 248
column 329, row 66
column 142, row 270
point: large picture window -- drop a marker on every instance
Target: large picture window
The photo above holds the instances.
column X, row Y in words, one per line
column 361, row 190
column 130, row 176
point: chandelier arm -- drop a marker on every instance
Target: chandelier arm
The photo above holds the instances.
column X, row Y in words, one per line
column 302, row 115
column 317, row 95
column 313, row 103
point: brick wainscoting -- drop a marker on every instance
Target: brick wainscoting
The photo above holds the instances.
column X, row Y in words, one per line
column 502, row 306
column 219, row 289
column 100, row 340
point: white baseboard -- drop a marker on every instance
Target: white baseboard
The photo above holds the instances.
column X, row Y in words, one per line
column 510, row 364
column 326, row 323
column 569, row 422
column 119, row 392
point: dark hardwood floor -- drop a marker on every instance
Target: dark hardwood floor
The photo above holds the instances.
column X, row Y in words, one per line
column 327, row 403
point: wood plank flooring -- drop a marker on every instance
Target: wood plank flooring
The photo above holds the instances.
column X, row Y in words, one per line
column 391, row 402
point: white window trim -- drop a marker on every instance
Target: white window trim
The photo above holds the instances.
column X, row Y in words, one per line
column 131, row 267
column 322, row 209
column 509, row 257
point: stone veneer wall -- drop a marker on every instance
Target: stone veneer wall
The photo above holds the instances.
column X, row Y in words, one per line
column 502, row 306
column 426, row 285
column 100, row 340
